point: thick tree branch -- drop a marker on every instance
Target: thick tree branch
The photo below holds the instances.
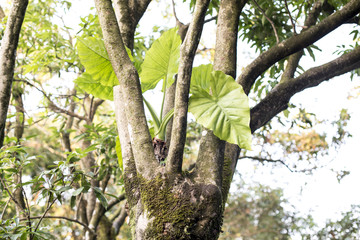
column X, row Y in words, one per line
column 296, row 43
column 129, row 14
column 132, row 96
column 121, row 122
column 209, row 164
column 9, row 45
column 187, row 53
column 125, row 21
column 277, row 100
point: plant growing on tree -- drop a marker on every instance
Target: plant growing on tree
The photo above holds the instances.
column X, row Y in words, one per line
column 167, row 201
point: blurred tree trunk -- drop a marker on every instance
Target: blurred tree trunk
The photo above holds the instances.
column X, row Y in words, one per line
column 7, row 58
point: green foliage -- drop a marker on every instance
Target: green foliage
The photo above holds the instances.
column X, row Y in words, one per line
column 87, row 83
column 161, row 61
column 46, row 47
column 215, row 101
column 47, row 187
column 257, row 30
column 223, row 108
column 200, row 77
column 96, row 61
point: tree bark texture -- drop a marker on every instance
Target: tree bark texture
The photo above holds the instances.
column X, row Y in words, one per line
column 168, row 203
column 7, row 58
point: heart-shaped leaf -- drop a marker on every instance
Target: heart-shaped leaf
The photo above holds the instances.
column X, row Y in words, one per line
column 161, row 60
column 222, row 108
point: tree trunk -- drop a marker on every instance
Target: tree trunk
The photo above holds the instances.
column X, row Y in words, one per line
column 7, row 58
column 174, row 207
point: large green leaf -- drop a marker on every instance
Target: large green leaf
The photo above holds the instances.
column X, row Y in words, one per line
column 200, row 77
column 223, row 108
column 94, row 87
column 161, row 61
column 96, row 61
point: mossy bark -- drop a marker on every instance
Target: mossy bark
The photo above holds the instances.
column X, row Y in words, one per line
column 174, row 207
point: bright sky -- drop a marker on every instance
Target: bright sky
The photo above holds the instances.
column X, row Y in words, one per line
column 320, row 193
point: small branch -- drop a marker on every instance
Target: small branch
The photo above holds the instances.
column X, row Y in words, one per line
column 174, row 12
column 294, row 59
column 99, row 211
column 116, row 201
column 262, row 160
column 52, row 105
column 210, row 19
column 49, row 205
column 119, row 221
column 10, row 195
column 4, row 209
column 182, row 27
column 64, row 218
column 291, row 19
column 269, row 20
column 187, row 53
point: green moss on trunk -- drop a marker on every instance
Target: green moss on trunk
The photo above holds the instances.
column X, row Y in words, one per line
column 180, row 209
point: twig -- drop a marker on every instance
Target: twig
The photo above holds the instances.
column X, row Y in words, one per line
column 267, row 160
column 291, row 19
column 49, row 205
column 10, row 195
column 210, row 19
column 52, row 105
column 116, row 201
column 119, row 221
column 174, row 12
column 64, row 218
column 27, row 205
column 271, row 22
column 3, row 212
